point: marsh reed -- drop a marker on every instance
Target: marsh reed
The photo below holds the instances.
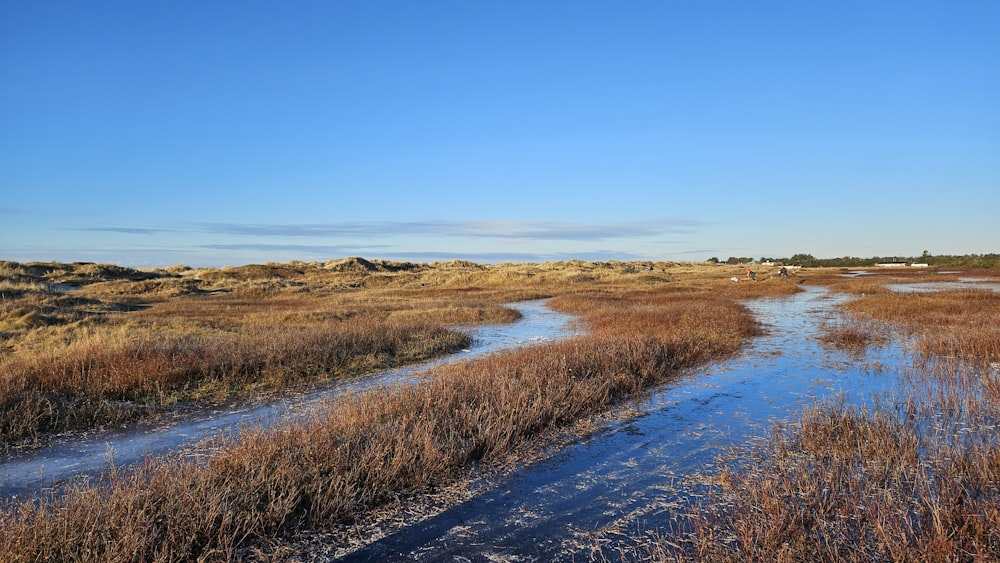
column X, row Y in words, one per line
column 110, row 377
column 957, row 323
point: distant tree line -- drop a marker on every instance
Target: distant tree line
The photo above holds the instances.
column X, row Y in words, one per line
column 991, row 260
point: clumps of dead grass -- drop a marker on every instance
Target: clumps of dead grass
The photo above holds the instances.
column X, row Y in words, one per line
column 84, row 384
column 854, row 334
column 854, row 484
column 960, row 323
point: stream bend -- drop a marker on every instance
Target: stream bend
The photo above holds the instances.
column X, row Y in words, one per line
column 25, row 474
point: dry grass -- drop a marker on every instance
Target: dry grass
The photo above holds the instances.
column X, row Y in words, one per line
column 90, row 366
column 109, row 377
column 370, row 449
column 947, row 323
column 959, row 324
column 845, row 484
column 853, row 334
column 912, row 478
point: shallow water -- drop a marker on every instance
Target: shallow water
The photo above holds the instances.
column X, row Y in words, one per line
column 962, row 283
column 622, row 480
column 67, row 458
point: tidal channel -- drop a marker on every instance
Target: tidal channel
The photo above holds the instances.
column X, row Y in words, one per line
column 606, row 491
column 26, row 474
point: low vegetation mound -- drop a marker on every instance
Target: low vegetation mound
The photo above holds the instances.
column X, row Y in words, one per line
column 75, row 274
column 357, row 264
column 251, row 272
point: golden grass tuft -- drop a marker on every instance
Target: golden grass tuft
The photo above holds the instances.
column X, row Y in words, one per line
column 854, row 334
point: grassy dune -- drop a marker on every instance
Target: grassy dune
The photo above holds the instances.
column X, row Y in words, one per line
column 645, row 325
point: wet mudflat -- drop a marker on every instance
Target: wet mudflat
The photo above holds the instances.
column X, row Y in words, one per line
column 596, row 498
column 25, row 474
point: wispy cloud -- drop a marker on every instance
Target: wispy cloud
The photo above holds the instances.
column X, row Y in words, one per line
column 304, row 230
column 555, row 230
column 382, row 251
column 307, row 248
column 420, row 241
column 127, row 230
column 494, row 257
column 524, row 230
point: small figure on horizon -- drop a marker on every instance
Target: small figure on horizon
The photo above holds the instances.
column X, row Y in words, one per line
column 783, row 272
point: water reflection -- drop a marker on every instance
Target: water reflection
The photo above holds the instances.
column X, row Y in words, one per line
column 963, row 283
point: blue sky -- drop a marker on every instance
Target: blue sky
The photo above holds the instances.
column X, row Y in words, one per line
column 210, row 133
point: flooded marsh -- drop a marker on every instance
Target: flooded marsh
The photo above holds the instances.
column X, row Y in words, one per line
column 677, row 416
column 614, row 490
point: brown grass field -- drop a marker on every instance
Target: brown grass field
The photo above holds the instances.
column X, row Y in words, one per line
column 133, row 343
column 914, row 478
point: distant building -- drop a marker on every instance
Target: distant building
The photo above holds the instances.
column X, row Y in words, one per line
column 891, row 265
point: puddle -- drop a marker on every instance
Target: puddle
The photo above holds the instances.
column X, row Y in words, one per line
column 962, row 283
column 623, row 479
column 86, row 456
